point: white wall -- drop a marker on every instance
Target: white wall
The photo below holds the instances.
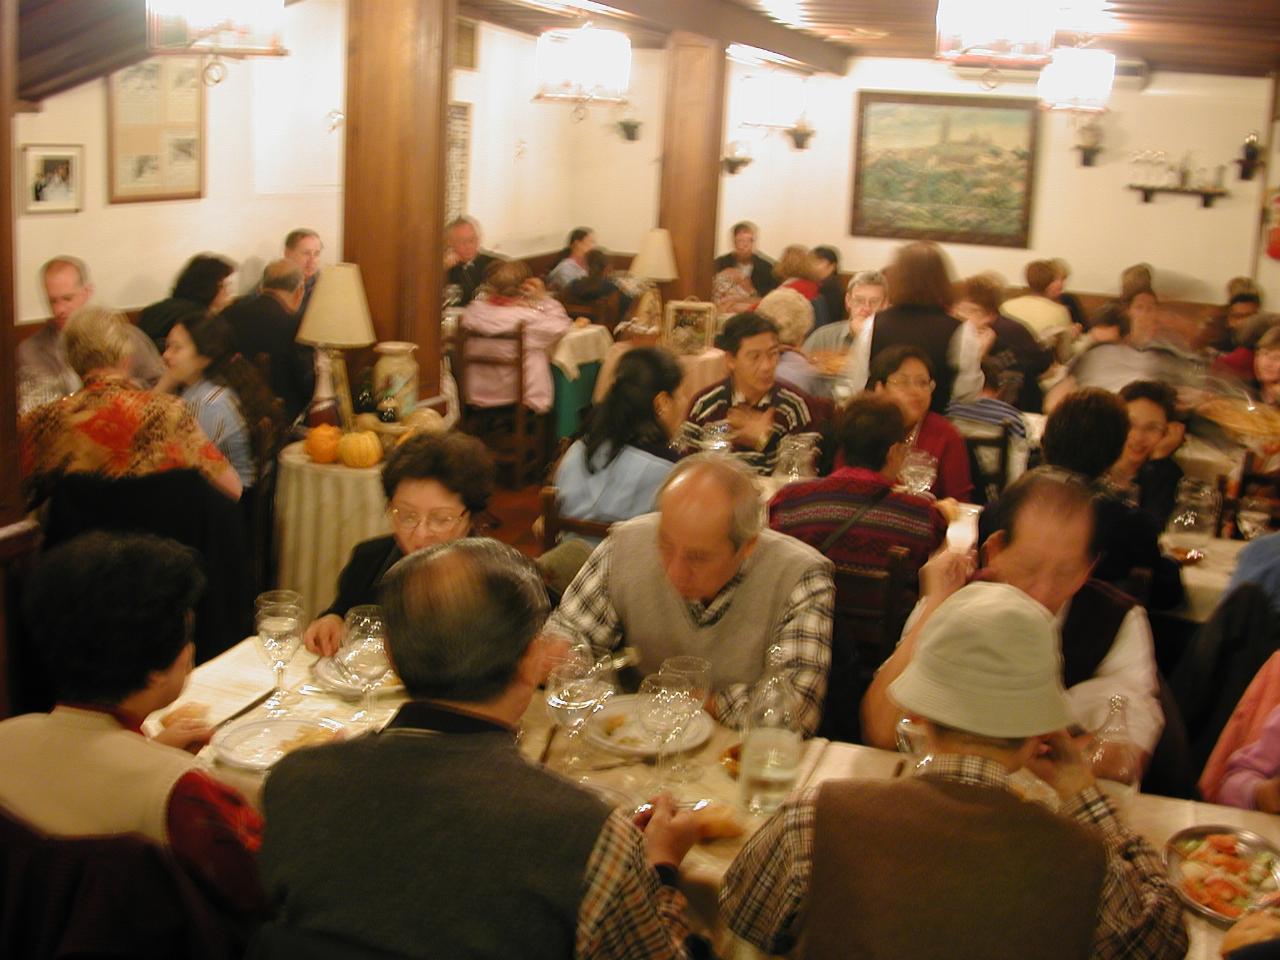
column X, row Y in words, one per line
column 257, row 186
column 1082, row 214
column 536, row 173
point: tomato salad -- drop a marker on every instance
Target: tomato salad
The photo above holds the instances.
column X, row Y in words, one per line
column 1222, row 874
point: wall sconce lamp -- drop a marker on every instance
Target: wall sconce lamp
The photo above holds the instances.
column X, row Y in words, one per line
column 737, row 155
column 629, row 128
column 800, row 134
column 1088, row 138
column 1250, row 158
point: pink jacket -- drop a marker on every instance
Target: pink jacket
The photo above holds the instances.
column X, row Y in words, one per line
column 1246, row 728
column 544, row 324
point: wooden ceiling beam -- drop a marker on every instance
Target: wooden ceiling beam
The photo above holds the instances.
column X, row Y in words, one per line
column 730, row 23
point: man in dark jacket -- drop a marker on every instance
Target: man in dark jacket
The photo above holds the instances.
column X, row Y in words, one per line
column 757, row 269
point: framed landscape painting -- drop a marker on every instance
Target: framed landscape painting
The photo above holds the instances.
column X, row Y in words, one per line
column 957, row 169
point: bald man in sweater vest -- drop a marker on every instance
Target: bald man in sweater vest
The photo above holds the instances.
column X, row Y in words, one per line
column 953, row 862
column 113, row 614
column 702, row 577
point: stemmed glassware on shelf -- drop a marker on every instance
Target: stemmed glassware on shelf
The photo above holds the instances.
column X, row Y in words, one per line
column 697, row 670
column 576, row 689
column 363, row 656
column 278, row 634
column 666, row 705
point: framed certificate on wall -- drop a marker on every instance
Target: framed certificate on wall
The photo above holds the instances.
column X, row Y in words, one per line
column 155, row 131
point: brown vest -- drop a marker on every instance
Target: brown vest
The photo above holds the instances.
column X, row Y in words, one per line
column 926, row 868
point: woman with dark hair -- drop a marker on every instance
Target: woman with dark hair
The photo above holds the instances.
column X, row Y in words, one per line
column 204, row 285
column 224, row 392
column 435, row 486
column 572, row 264
column 904, row 375
column 920, row 315
column 615, row 470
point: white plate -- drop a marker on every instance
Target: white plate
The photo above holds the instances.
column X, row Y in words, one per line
column 258, row 744
column 327, row 675
column 630, row 737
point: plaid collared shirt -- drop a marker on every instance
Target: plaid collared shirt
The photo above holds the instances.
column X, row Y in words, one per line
column 803, row 633
column 627, row 912
column 765, row 890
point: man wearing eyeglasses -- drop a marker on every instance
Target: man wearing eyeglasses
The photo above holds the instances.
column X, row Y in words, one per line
column 434, row 486
column 842, row 352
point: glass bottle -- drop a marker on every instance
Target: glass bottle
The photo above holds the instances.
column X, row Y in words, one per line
column 365, row 401
column 771, row 741
column 1112, row 756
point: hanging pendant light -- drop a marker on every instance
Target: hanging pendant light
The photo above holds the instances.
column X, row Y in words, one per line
column 1079, row 78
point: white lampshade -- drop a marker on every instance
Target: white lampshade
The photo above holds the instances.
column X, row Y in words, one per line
column 338, row 313
column 1078, row 79
column 656, row 260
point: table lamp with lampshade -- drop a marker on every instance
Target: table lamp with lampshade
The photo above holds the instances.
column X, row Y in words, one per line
column 337, row 318
column 656, row 261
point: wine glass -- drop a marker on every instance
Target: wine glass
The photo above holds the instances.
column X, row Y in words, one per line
column 363, row 655
column 697, row 670
column 278, row 636
column 665, row 706
column 1194, row 516
column 1253, row 518
column 918, row 471
column 290, row 597
column 575, row 690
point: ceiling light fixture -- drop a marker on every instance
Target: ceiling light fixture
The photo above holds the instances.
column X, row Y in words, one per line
column 995, row 32
column 582, row 66
column 1079, row 79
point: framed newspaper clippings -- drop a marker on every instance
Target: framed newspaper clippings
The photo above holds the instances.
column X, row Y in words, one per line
column 155, row 131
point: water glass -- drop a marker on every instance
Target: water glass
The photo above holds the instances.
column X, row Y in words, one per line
column 918, row 471
column 962, row 532
column 278, row 635
column 290, row 598
column 666, row 704
column 1253, row 518
column 1195, row 515
column 913, row 740
column 697, row 670
column 575, row 690
column 363, row 655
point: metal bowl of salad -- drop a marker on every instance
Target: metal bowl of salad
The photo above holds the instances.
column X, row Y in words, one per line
column 1221, row 872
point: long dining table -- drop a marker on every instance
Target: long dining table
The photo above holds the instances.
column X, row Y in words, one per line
column 239, row 678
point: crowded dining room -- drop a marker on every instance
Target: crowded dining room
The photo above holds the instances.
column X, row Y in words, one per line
column 640, row 479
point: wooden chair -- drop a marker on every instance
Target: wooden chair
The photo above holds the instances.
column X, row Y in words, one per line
column 553, row 524
column 870, row 611
column 515, row 434
column 989, row 461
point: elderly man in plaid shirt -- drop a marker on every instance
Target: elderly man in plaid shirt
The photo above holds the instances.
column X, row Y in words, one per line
column 953, row 862
column 701, row 576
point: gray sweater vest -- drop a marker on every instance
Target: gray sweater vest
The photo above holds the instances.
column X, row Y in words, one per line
column 432, row 845
column 656, row 621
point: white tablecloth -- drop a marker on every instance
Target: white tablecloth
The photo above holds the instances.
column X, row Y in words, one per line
column 1205, row 582
column 235, row 678
column 322, row 511
column 579, row 345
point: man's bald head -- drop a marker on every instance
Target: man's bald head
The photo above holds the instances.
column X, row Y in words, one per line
column 283, row 275
column 710, row 521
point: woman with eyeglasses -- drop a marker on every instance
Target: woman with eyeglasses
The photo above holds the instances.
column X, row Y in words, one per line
column 905, row 375
column 435, row 486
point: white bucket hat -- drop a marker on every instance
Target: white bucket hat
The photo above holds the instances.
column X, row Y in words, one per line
column 988, row 663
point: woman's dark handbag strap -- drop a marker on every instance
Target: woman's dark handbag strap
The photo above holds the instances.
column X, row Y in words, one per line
column 857, row 515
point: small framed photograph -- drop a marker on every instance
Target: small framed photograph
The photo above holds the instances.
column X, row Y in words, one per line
column 689, row 326
column 52, row 178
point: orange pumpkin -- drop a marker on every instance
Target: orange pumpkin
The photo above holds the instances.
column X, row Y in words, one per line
column 322, row 443
column 361, row 448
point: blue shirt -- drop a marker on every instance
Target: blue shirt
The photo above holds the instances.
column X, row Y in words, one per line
column 217, row 410
column 1260, row 563
column 622, row 490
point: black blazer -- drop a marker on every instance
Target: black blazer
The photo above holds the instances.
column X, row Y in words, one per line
column 261, row 324
column 358, row 582
column 762, row 277
column 469, row 276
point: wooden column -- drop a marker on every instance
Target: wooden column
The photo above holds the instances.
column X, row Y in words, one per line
column 689, row 193
column 17, row 533
column 398, row 73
